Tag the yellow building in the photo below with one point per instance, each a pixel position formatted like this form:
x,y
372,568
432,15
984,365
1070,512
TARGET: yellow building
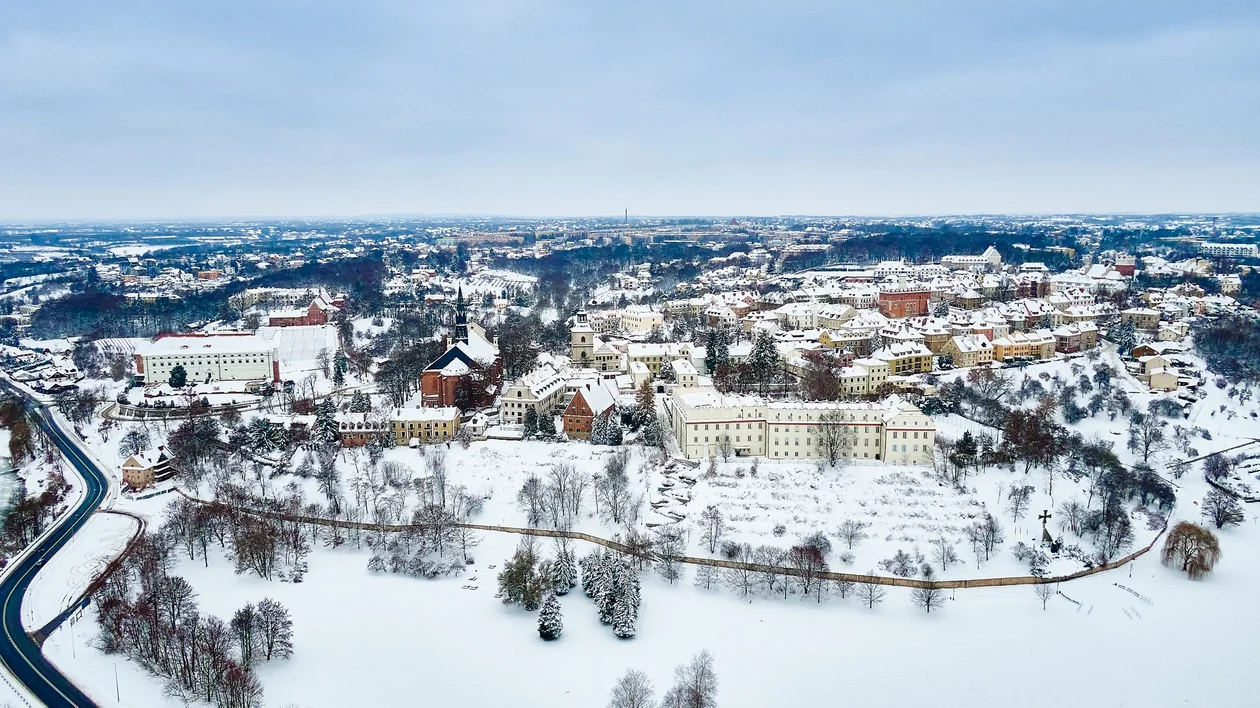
x,y
906,358
1037,344
425,425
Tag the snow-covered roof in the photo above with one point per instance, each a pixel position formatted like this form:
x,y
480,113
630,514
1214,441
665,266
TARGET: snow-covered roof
x,y
209,344
422,414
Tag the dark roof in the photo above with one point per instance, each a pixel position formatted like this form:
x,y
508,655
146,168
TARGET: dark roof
x,y
451,354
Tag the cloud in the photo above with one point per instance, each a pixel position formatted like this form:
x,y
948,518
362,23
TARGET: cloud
x,y
281,107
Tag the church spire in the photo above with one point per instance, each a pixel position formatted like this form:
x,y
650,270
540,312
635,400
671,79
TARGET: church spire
x,y
461,319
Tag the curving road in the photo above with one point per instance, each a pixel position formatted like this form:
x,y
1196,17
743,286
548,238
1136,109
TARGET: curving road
x,y
18,650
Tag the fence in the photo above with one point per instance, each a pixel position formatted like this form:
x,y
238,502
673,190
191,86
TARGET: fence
x,y
716,562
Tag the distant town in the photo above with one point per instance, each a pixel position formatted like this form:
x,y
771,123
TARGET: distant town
x,y
484,412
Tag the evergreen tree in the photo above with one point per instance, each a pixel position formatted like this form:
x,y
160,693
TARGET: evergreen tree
x,y
625,609
547,425
667,373
716,349
360,403
595,573
550,622
326,422
563,571
941,310
179,376
1124,334
531,423
606,430
260,435
340,366
653,434
376,564
763,360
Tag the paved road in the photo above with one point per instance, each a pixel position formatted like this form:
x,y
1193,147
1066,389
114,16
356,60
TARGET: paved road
x,y
17,650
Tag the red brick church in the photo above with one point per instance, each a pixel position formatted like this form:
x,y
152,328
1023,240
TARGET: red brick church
x,y
469,374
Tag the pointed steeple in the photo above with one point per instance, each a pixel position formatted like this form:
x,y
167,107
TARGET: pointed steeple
x,y
461,319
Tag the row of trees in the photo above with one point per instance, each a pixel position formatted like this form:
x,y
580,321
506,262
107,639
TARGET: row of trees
x,y
695,686
151,616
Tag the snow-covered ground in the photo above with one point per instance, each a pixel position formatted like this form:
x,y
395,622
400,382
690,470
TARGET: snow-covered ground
x,y
68,573
363,639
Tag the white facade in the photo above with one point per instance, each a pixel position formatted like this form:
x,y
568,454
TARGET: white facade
x,y
890,430
210,358
541,390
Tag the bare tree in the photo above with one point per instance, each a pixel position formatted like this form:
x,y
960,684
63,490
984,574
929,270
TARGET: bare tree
x,y
725,447
435,463
943,552
810,564
695,684
633,690
1017,501
742,578
713,527
669,546
774,560
707,576
852,532
870,592
1071,516
1222,509
835,438
613,497
1146,435
532,500
1044,592
929,598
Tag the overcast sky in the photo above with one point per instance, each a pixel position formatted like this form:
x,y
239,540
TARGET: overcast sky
x,y
208,108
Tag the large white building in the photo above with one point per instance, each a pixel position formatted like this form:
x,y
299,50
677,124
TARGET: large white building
x,y
890,430
541,390
212,357
1228,250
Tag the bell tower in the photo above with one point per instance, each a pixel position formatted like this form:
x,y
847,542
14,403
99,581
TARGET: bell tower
x,y
582,341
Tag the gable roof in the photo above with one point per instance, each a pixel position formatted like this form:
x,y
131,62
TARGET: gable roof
x,y
597,397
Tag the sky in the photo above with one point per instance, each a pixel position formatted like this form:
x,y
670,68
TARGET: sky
x,y
225,108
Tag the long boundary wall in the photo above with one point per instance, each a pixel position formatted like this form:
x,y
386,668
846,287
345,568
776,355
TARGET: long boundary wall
x,y
716,562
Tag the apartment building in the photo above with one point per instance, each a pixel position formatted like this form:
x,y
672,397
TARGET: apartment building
x,y
1035,344
905,358
969,350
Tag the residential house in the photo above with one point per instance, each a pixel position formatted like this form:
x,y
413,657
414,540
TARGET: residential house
x,y
144,468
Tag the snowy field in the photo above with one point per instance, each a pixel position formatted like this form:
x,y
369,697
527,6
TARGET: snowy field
x,y
369,639
383,640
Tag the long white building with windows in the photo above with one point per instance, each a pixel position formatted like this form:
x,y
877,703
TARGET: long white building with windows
x,y
705,421
212,357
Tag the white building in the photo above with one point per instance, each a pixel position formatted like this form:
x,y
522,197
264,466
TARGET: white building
x,y
1228,250
640,319
213,357
704,421
541,390
990,259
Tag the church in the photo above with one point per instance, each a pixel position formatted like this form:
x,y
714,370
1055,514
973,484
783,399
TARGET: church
x,y
469,374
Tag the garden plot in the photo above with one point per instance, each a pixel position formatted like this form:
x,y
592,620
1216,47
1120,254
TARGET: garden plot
x,y
903,508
